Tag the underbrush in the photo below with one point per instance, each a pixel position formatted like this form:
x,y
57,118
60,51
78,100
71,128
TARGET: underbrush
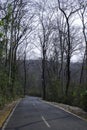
x,y
77,97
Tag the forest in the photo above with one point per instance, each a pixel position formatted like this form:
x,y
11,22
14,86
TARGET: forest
x,y
43,50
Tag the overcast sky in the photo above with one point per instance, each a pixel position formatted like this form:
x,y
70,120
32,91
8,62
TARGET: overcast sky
x,y
36,51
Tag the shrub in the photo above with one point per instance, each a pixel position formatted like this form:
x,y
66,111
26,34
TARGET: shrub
x,y
1,102
84,100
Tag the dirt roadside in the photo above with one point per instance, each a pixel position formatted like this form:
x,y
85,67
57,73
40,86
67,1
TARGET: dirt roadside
x,y
6,112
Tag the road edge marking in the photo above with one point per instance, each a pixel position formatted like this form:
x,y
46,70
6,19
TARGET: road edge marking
x,y
65,110
45,122
10,115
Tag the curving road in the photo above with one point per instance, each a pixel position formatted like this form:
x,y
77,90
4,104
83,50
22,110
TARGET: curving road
x,y
33,114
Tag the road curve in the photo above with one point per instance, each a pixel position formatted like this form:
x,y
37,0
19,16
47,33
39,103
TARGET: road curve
x,y
33,114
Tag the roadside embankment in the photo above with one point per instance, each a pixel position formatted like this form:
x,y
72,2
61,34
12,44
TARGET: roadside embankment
x,y
70,109
5,112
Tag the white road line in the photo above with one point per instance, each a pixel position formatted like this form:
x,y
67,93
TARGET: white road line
x,y
45,122
65,110
34,105
5,124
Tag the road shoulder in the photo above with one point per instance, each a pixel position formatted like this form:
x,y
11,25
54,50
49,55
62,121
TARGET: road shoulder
x,y
76,111
5,113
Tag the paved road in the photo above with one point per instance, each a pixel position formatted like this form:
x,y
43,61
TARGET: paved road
x,y
33,114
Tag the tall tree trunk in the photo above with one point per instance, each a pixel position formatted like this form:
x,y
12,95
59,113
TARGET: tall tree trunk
x,y
61,72
68,59
6,48
43,75
82,69
25,70
86,62
25,77
10,57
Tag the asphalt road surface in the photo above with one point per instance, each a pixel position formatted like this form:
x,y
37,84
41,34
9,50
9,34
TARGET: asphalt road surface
x,y
34,114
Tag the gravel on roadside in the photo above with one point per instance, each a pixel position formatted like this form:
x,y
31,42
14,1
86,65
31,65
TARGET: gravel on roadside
x,y
75,110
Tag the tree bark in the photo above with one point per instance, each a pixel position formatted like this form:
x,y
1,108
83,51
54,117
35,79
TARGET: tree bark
x,y
43,73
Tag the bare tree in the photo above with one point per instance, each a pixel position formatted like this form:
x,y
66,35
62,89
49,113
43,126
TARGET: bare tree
x,y
45,30
82,14
67,17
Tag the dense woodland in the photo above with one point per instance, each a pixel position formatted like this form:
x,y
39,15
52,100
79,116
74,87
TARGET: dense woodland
x,y
43,50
